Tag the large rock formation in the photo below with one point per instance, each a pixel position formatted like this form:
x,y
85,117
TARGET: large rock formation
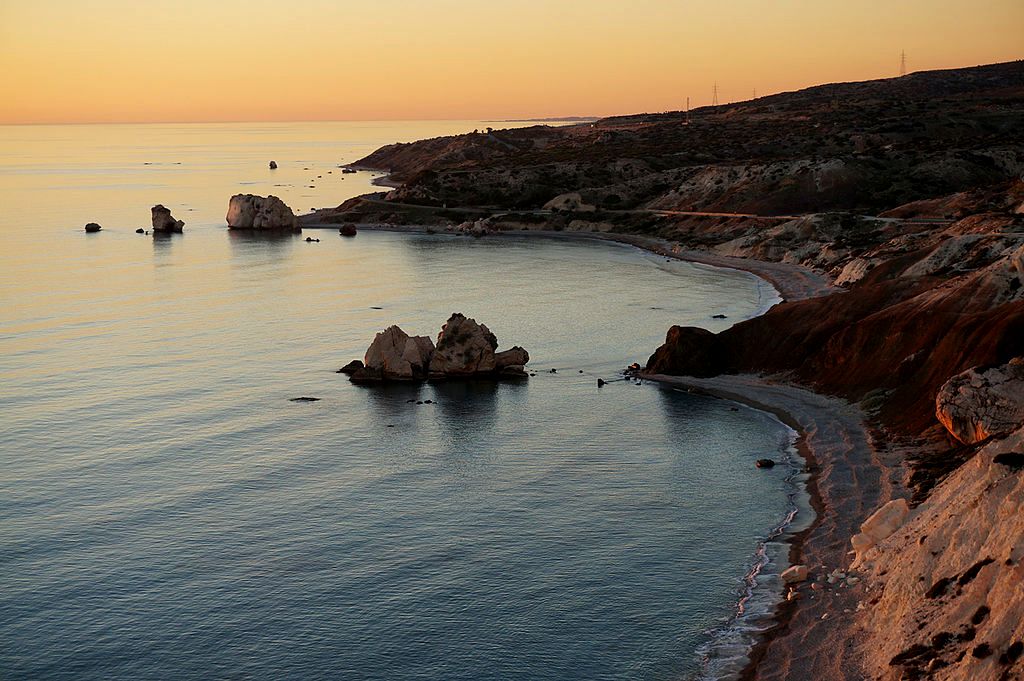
x,y
164,222
465,349
395,355
268,213
981,403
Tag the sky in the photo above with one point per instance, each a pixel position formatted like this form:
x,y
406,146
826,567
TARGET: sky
x,y
91,61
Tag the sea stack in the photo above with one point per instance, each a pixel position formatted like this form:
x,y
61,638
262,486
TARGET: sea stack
x,y
164,222
261,213
465,349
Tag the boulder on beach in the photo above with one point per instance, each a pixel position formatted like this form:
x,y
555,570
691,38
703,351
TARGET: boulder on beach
x,y
879,526
164,222
92,227
465,349
794,574
261,213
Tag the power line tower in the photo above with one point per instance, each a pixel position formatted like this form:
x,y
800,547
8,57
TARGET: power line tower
x,y
714,95
903,63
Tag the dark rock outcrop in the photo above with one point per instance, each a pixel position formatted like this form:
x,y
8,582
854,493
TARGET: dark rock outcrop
x,y
164,222
688,351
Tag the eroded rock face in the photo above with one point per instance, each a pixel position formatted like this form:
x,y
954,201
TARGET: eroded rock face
x,y
954,567
976,405
463,348
396,356
248,211
164,222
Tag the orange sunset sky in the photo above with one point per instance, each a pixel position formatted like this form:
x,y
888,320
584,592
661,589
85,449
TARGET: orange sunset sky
x,y
258,60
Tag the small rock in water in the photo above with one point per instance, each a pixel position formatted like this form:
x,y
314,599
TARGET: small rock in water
x,y
765,463
140,231
428,401
600,382
419,401
92,227
553,371
310,239
374,307
734,408
347,230
350,368
304,399
273,165
718,316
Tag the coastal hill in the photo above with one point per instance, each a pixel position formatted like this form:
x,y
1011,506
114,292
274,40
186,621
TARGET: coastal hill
x,y
907,195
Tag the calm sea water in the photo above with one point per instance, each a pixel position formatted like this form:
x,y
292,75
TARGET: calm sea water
x,y
167,512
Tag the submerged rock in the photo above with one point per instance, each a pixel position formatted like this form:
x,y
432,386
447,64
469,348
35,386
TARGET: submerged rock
x,y
164,222
267,213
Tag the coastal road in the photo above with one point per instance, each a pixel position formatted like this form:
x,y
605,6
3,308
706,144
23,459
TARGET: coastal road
x,y
539,212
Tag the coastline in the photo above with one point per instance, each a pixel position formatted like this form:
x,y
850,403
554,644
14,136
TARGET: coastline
x,y
846,477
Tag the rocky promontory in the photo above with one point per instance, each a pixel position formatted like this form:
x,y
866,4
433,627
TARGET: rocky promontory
x,y
464,349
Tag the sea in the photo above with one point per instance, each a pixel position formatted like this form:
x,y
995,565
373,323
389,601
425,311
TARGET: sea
x,y
167,511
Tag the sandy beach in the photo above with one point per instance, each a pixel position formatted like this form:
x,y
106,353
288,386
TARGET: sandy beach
x,y
850,478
